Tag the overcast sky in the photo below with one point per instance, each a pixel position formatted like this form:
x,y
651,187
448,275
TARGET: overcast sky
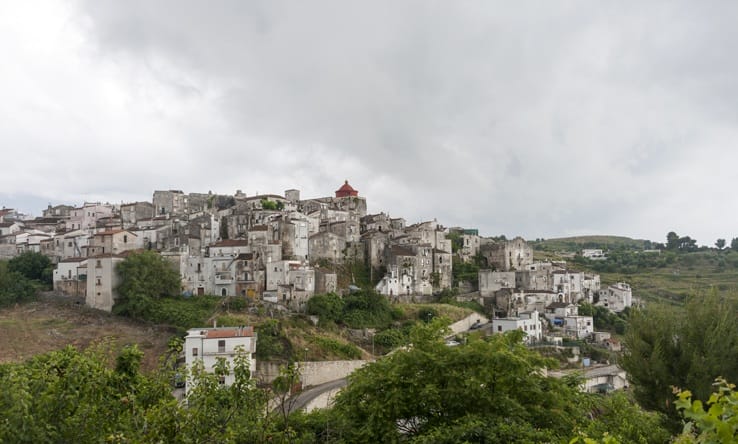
x,y
540,119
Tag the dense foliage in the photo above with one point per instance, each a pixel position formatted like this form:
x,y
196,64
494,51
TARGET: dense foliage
x,y
328,307
361,309
33,266
72,396
145,278
717,424
686,348
489,390
14,287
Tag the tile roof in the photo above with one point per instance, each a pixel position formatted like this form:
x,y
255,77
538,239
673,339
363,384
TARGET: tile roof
x,y
229,332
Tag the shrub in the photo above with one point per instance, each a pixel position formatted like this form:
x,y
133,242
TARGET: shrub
x,y
390,338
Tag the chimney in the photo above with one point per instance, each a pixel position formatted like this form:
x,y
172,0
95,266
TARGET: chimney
x,y
215,323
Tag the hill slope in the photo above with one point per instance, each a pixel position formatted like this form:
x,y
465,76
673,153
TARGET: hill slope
x,y
42,326
576,243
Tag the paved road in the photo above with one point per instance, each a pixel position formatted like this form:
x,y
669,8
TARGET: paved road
x,y
313,392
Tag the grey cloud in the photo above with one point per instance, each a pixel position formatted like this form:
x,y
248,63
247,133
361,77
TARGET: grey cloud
x,y
533,118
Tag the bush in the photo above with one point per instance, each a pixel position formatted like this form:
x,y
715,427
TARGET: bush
x,y
14,287
271,342
390,338
33,266
340,349
328,307
427,314
145,278
367,309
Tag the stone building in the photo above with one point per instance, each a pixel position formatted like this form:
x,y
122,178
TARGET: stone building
x,y
170,202
132,213
102,280
510,255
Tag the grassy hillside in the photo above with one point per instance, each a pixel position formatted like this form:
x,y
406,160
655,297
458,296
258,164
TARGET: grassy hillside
x,y
38,327
577,243
668,277
52,323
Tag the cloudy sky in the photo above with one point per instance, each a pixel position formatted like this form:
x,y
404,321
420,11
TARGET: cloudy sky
x,y
539,119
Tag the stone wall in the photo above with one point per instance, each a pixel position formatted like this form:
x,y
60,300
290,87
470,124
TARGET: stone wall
x,y
313,372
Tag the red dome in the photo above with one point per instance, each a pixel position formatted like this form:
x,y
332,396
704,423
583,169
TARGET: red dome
x,y
346,190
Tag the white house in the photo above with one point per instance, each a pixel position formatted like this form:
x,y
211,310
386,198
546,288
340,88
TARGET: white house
x,y
616,297
604,379
529,323
579,327
70,276
594,254
208,344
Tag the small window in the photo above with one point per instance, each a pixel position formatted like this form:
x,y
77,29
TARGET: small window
x,y
125,238
499,328
221,346
194,351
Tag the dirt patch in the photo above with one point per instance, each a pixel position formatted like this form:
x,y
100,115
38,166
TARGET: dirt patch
x,y
53,323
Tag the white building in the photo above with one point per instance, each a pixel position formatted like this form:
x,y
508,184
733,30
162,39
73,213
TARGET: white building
x,y
594,254
529,323
616,297
70,276
604,379
393,283
579,327
86,216
568,283
102,281
208,344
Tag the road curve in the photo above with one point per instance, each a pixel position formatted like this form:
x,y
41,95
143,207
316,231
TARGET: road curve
x,y
307,395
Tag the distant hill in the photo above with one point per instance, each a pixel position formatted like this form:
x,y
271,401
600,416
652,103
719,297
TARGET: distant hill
x,y
576,243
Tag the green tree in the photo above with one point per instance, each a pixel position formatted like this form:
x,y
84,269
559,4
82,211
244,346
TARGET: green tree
x,y
73,396
734,244
672,241
144,278
717,424
328,307
720,244
486,391
14,287
34,266
685,348
618,417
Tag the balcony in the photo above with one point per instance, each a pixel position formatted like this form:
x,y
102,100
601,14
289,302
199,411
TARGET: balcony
x,y
223,278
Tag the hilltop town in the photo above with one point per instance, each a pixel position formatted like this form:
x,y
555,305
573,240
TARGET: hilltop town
x,y
262,264
282,249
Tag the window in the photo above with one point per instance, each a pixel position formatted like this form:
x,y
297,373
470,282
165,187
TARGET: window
x,y
194,351
221,346
221,379
499,328
125,238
